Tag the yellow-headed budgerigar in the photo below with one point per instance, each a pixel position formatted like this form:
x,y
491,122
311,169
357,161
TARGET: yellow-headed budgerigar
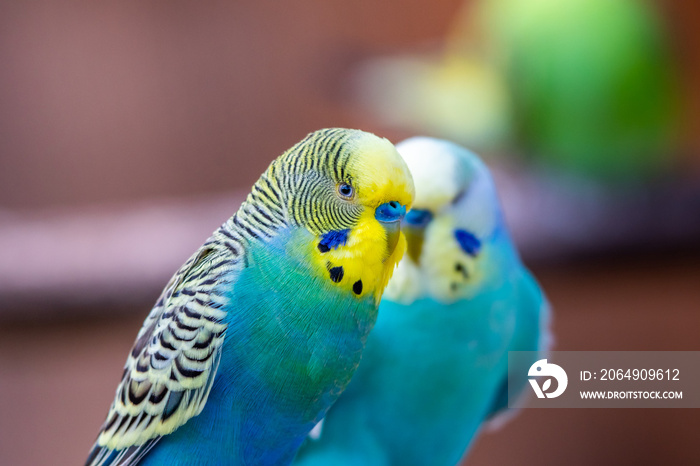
x,y
435,367
262,328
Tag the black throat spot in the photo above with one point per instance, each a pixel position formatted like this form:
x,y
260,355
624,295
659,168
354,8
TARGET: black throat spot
x,y
336,273
357,287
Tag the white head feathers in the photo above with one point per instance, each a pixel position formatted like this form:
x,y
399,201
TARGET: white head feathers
x,y
451,180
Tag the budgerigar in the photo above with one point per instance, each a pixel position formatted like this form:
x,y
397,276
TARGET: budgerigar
x,y
262,328
435,365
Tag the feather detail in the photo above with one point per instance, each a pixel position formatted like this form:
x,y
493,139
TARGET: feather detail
x,y
170,369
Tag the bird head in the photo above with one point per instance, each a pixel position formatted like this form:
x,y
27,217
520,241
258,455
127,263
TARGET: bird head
x,y
455,218
350,189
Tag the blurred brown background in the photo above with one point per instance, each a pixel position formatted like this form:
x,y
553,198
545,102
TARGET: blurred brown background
x,y
129,131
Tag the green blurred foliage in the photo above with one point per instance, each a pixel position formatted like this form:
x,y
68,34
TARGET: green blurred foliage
x,y
591,83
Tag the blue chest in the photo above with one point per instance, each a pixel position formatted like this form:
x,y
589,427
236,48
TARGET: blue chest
x,y
436,366
292,345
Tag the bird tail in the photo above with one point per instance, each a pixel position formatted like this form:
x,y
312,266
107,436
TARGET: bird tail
x,y
103,456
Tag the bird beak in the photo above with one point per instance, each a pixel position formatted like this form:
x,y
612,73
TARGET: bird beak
x,y
414,240
389,216
414,229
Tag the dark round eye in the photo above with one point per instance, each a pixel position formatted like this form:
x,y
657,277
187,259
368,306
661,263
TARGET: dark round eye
x,y
346,191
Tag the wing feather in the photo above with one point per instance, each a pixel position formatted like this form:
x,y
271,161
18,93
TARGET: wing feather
x,y
169,372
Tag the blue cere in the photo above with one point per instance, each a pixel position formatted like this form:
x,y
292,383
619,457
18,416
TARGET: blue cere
x,y
418,218
390,212
468,242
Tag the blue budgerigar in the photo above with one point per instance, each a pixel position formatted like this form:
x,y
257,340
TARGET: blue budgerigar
x,y
262,328
435,366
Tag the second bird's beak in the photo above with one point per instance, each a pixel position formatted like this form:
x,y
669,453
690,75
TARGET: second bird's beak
x,y
414,229
414,240
390,215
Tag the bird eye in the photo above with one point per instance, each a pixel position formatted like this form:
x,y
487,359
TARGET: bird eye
x,y
346,191
460,195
